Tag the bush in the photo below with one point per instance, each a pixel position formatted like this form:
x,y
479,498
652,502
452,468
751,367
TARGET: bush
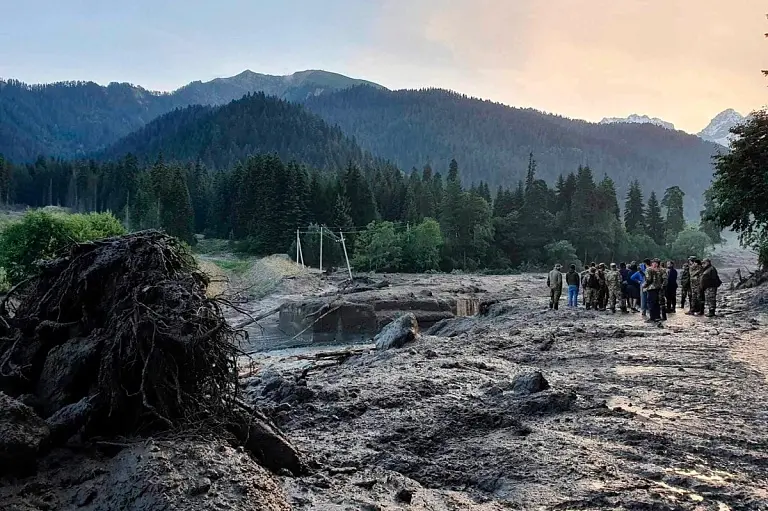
x,y
689,242
378,248
421,247
41,235
562,252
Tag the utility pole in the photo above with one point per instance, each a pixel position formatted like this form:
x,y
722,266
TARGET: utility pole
x,y
344,245
321,250
298,240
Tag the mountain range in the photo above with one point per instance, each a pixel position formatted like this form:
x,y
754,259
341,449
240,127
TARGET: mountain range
x,y
410,128
718,130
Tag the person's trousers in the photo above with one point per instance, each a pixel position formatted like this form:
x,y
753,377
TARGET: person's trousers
x,y
573,295
652,303
644,301
686,293
671,296
554,298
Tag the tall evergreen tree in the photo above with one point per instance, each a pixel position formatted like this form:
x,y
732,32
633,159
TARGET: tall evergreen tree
x,y
675,218
634,216
654,222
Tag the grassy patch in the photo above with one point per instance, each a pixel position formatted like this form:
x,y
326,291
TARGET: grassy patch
x,y
236,266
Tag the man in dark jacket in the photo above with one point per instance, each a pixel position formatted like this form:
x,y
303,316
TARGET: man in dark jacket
x,y
671,290
573,280
710,281
625,274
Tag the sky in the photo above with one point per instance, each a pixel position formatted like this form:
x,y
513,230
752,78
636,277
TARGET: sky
x,y
681,60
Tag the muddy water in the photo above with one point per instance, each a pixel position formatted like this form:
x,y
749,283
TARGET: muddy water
x,y
636,416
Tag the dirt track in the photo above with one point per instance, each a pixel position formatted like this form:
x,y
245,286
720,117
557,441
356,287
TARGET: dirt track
x,y
636,416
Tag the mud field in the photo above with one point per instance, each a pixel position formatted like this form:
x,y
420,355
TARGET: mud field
x,y
528,408
519,407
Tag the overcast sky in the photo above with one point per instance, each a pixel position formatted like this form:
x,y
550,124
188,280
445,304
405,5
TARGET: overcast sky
x,y
681,60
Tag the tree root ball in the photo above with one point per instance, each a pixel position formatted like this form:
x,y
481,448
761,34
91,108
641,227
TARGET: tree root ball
x,y
122,329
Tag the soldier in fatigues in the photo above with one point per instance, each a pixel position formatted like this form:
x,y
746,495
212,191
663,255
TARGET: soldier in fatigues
x,y
685,282
602,293
654,282
710,281
663,292
613,281
591,289
696,299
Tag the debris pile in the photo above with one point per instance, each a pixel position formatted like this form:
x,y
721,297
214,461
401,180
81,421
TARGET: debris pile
x,y
118,338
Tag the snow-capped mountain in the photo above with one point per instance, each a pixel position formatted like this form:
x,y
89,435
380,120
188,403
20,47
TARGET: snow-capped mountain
x,y
639,119
718,130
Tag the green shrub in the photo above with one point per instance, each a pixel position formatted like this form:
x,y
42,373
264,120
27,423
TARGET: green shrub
x,y
41,235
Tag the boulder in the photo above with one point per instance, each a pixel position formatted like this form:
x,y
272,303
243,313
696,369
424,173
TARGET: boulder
x,y
67,373
398,333
529,383
23,434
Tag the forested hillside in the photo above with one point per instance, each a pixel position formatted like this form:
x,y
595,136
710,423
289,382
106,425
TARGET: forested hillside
x,y
392,221
222,136
493,141
72,119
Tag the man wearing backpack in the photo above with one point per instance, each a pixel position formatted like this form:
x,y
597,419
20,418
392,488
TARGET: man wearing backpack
x,y
555,285
710,281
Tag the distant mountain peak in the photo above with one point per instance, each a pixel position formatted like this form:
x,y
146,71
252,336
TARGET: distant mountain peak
x,y
719,128
639,119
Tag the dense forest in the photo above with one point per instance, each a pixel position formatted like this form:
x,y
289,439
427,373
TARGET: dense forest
x,y
221,136
493,140
260,203
409,128
73,119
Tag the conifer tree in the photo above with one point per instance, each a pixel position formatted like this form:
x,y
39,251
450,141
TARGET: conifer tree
x,y
675,217
634,216
654,222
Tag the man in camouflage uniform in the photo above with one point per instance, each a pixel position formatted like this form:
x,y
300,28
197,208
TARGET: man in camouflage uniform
x,y
710,281
663,292
602,293
685,282
696,298
613,281
654,282
592,288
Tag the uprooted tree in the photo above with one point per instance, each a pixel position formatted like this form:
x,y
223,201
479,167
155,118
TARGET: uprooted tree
x,y
117,337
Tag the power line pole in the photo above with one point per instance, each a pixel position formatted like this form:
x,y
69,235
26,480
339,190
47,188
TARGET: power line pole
x,y
298,241
344,245
321,250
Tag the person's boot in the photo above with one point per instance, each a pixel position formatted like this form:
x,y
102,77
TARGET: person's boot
x,y
613,310
711,313
556,305
550,305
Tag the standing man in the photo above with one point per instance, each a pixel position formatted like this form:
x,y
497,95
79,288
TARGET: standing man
x,y
592,288
685,283
643,293
654,281
573,279
710,281
602,294
695,276
555,284
613,281
671,293
624,274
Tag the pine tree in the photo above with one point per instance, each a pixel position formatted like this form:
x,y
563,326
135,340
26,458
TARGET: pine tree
x,y
356,189
675,218
609,199
654,222
634,216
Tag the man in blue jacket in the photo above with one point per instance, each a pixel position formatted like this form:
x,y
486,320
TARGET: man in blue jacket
x,y
671,289
644,292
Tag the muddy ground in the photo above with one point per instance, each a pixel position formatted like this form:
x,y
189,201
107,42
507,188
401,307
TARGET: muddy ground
x,y
521,408
634,416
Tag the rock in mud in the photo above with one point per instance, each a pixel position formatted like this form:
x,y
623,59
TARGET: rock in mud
x,y
67,373
68,420
23,434
397,334
529,383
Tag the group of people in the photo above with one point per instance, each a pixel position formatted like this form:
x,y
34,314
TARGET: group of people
x,y
648,287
